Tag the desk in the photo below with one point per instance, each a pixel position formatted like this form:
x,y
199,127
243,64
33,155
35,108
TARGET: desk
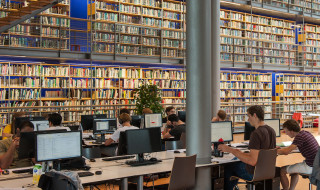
x,y
113,170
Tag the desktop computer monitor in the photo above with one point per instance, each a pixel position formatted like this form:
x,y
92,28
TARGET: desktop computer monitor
x,y
275,124
182,115
87,120
141,141
51,146
221,129
20,120
26,145
136,120
248,129
152,120
40,125
103,126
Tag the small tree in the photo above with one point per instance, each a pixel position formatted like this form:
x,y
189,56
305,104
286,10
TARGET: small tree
x,y
148,96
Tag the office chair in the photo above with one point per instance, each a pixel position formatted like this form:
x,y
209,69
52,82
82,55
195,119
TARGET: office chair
x,y
298,117
307,176
265,168
183,174
91,152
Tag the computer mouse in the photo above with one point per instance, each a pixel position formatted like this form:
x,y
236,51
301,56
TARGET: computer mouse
x,y
176,151
153,159
98,172
92,160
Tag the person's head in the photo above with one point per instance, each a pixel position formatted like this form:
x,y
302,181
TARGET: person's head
x,y
26,126
124,110
291,127
146,111
255,115
54,119
221,115
125,119
170,110
174,119
13,122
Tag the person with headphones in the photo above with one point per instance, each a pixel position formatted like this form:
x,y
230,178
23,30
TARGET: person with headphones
x,y
124,120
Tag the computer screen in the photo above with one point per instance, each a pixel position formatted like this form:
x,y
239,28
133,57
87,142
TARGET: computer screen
x,y
143,140
40,125
26,145
221,129
248,129
20,120
58,145
152,120
102,126
87,120
136,120
182,115
275,124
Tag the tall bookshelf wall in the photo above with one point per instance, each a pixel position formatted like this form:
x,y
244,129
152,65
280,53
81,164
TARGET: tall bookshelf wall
x,y
48,30
245,88
40,84
250,38
140,27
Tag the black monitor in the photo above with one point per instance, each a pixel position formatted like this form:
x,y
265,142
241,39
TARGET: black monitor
x,y
248,129
141,141
136,120
152,120
34,120
87,120
182,115
26,145
122,145
56,145
103,126
221,130
275,124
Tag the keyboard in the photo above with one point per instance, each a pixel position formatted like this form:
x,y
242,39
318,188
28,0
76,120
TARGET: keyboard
x,y
145,162
85,174
118,158
28,170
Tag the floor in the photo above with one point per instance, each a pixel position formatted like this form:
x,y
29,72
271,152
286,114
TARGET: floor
x,y
282,160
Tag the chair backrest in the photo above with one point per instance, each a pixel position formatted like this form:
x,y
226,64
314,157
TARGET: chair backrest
x,y
298,117
91,152
266,165
183,139
173,145
56,181
183,174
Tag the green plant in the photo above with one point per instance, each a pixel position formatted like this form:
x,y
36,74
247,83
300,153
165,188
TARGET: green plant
x,y
148,96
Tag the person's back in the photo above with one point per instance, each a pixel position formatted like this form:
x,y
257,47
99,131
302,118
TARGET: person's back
x,y
55,121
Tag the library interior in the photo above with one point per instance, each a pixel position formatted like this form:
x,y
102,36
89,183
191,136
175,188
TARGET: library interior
x,y
160,94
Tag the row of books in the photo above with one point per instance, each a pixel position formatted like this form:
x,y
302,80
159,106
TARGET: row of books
x,y
301,86
245,86
300,79
173,94
244,94
301,93
245,77
61,10
173,101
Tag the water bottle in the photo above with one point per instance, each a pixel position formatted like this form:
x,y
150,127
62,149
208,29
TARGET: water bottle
x,y
37,171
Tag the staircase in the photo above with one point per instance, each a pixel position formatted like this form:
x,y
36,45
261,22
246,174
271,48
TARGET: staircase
x,y
31,9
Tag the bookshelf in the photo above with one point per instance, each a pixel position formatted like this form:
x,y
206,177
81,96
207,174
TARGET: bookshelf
x,y
48,30
256,39
310,45
246,88
139,27
54,86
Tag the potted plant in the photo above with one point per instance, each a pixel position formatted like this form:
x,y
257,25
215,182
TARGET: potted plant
x,y
148,96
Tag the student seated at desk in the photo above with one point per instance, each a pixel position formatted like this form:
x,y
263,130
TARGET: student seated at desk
x,y
263,137
9,149
8,131
179,127
307,145
169,110
55,120
124,120
123,110
221,116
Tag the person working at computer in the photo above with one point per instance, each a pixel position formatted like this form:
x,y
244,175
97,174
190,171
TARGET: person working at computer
x,y
55,120
147,111
8,131
307,145
264,137
179,127
221,116
125,120
122,110
9,149
169,110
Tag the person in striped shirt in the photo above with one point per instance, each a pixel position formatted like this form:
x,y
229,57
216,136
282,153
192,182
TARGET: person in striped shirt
x,y
308,147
